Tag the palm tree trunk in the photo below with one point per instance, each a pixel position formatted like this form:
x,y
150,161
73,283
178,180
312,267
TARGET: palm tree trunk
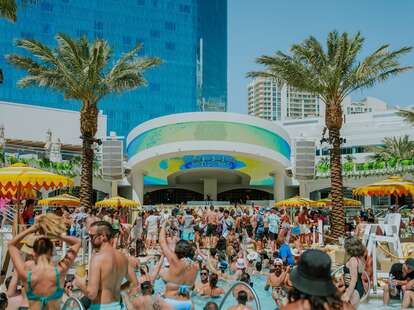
x,y
337,215
89,125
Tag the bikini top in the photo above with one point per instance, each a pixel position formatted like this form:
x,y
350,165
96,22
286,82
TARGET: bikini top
x,y
44,300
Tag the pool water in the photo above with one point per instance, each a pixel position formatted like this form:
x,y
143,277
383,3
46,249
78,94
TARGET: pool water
x,y
265,297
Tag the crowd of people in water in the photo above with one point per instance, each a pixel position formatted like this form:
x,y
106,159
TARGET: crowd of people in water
x,y
195,252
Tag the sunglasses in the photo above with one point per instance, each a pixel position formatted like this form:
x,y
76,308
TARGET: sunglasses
x,y
69,287
204,274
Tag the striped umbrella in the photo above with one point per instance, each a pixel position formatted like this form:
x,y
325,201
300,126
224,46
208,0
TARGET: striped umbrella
x,y
394,185
327,202
61,200
117,202
296,202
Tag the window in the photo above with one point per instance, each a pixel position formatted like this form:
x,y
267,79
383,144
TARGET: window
x,y
26,35
98,34
46,6
155,87
126,40
170,26
184,8
98,25
155,33
170,46
46,28
81,33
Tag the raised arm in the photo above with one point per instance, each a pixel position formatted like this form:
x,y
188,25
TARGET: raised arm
x,y
14,252
74,247
157,269
172,258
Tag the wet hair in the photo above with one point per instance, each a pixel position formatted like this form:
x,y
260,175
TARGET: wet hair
x,y
211,306
4,302
316,302
188,211
184,249
132,251
146,287
221,244
354,247
213,251
43,246
29,202
242,297
245,277
212,280
104,228
259,266
211,207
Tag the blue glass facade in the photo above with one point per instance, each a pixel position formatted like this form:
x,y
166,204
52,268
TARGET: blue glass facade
x,y
169,29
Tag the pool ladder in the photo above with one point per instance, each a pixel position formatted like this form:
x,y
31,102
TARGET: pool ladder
x,y
256,298
69,301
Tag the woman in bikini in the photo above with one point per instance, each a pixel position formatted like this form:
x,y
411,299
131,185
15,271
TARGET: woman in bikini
x,y
181,275
44,282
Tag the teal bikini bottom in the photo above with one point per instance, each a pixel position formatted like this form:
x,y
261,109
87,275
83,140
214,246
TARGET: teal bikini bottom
x,y
111,306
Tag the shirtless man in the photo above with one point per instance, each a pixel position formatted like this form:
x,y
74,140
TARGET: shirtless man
x,y
212,222
147,301
108,268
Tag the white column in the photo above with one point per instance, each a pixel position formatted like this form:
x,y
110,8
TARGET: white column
x,y
367,201
138,186
279,186
114,188
210,188
304,189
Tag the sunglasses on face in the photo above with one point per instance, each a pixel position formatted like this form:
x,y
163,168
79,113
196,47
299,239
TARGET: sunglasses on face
x,y
204,274
69,287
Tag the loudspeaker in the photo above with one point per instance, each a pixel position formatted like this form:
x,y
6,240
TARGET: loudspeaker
x,y
112,160
305,153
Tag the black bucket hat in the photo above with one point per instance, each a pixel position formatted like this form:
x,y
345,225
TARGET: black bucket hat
x,y
312,276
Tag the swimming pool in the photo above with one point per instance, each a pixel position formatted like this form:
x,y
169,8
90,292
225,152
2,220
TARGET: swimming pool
x,y
265,297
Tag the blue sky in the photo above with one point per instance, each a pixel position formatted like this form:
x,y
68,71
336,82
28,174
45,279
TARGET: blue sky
x,y
258,27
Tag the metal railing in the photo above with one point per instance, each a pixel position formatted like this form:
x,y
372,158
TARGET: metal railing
x,y
70,300
363,298
237,283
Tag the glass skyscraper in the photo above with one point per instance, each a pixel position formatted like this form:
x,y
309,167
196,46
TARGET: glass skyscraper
x,y
190,36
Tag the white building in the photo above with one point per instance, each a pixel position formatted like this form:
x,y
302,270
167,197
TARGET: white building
x,y
361,131
366,105
272,101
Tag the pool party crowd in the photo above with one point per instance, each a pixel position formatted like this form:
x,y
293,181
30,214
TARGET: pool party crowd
x,y
198,253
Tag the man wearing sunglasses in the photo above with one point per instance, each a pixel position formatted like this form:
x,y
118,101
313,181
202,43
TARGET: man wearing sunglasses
x,y
203,280
108,268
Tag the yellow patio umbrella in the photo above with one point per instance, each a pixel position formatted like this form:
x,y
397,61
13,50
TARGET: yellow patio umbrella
x,y
12,194
296,202
21,178
327,202
394,185
61,200
117,202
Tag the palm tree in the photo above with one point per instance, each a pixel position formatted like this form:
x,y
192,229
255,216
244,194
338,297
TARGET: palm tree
x,y
398,148
333,73
80,71
8,8
408,115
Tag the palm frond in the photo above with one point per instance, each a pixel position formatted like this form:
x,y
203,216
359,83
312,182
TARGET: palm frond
x,y
8,9
408,115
